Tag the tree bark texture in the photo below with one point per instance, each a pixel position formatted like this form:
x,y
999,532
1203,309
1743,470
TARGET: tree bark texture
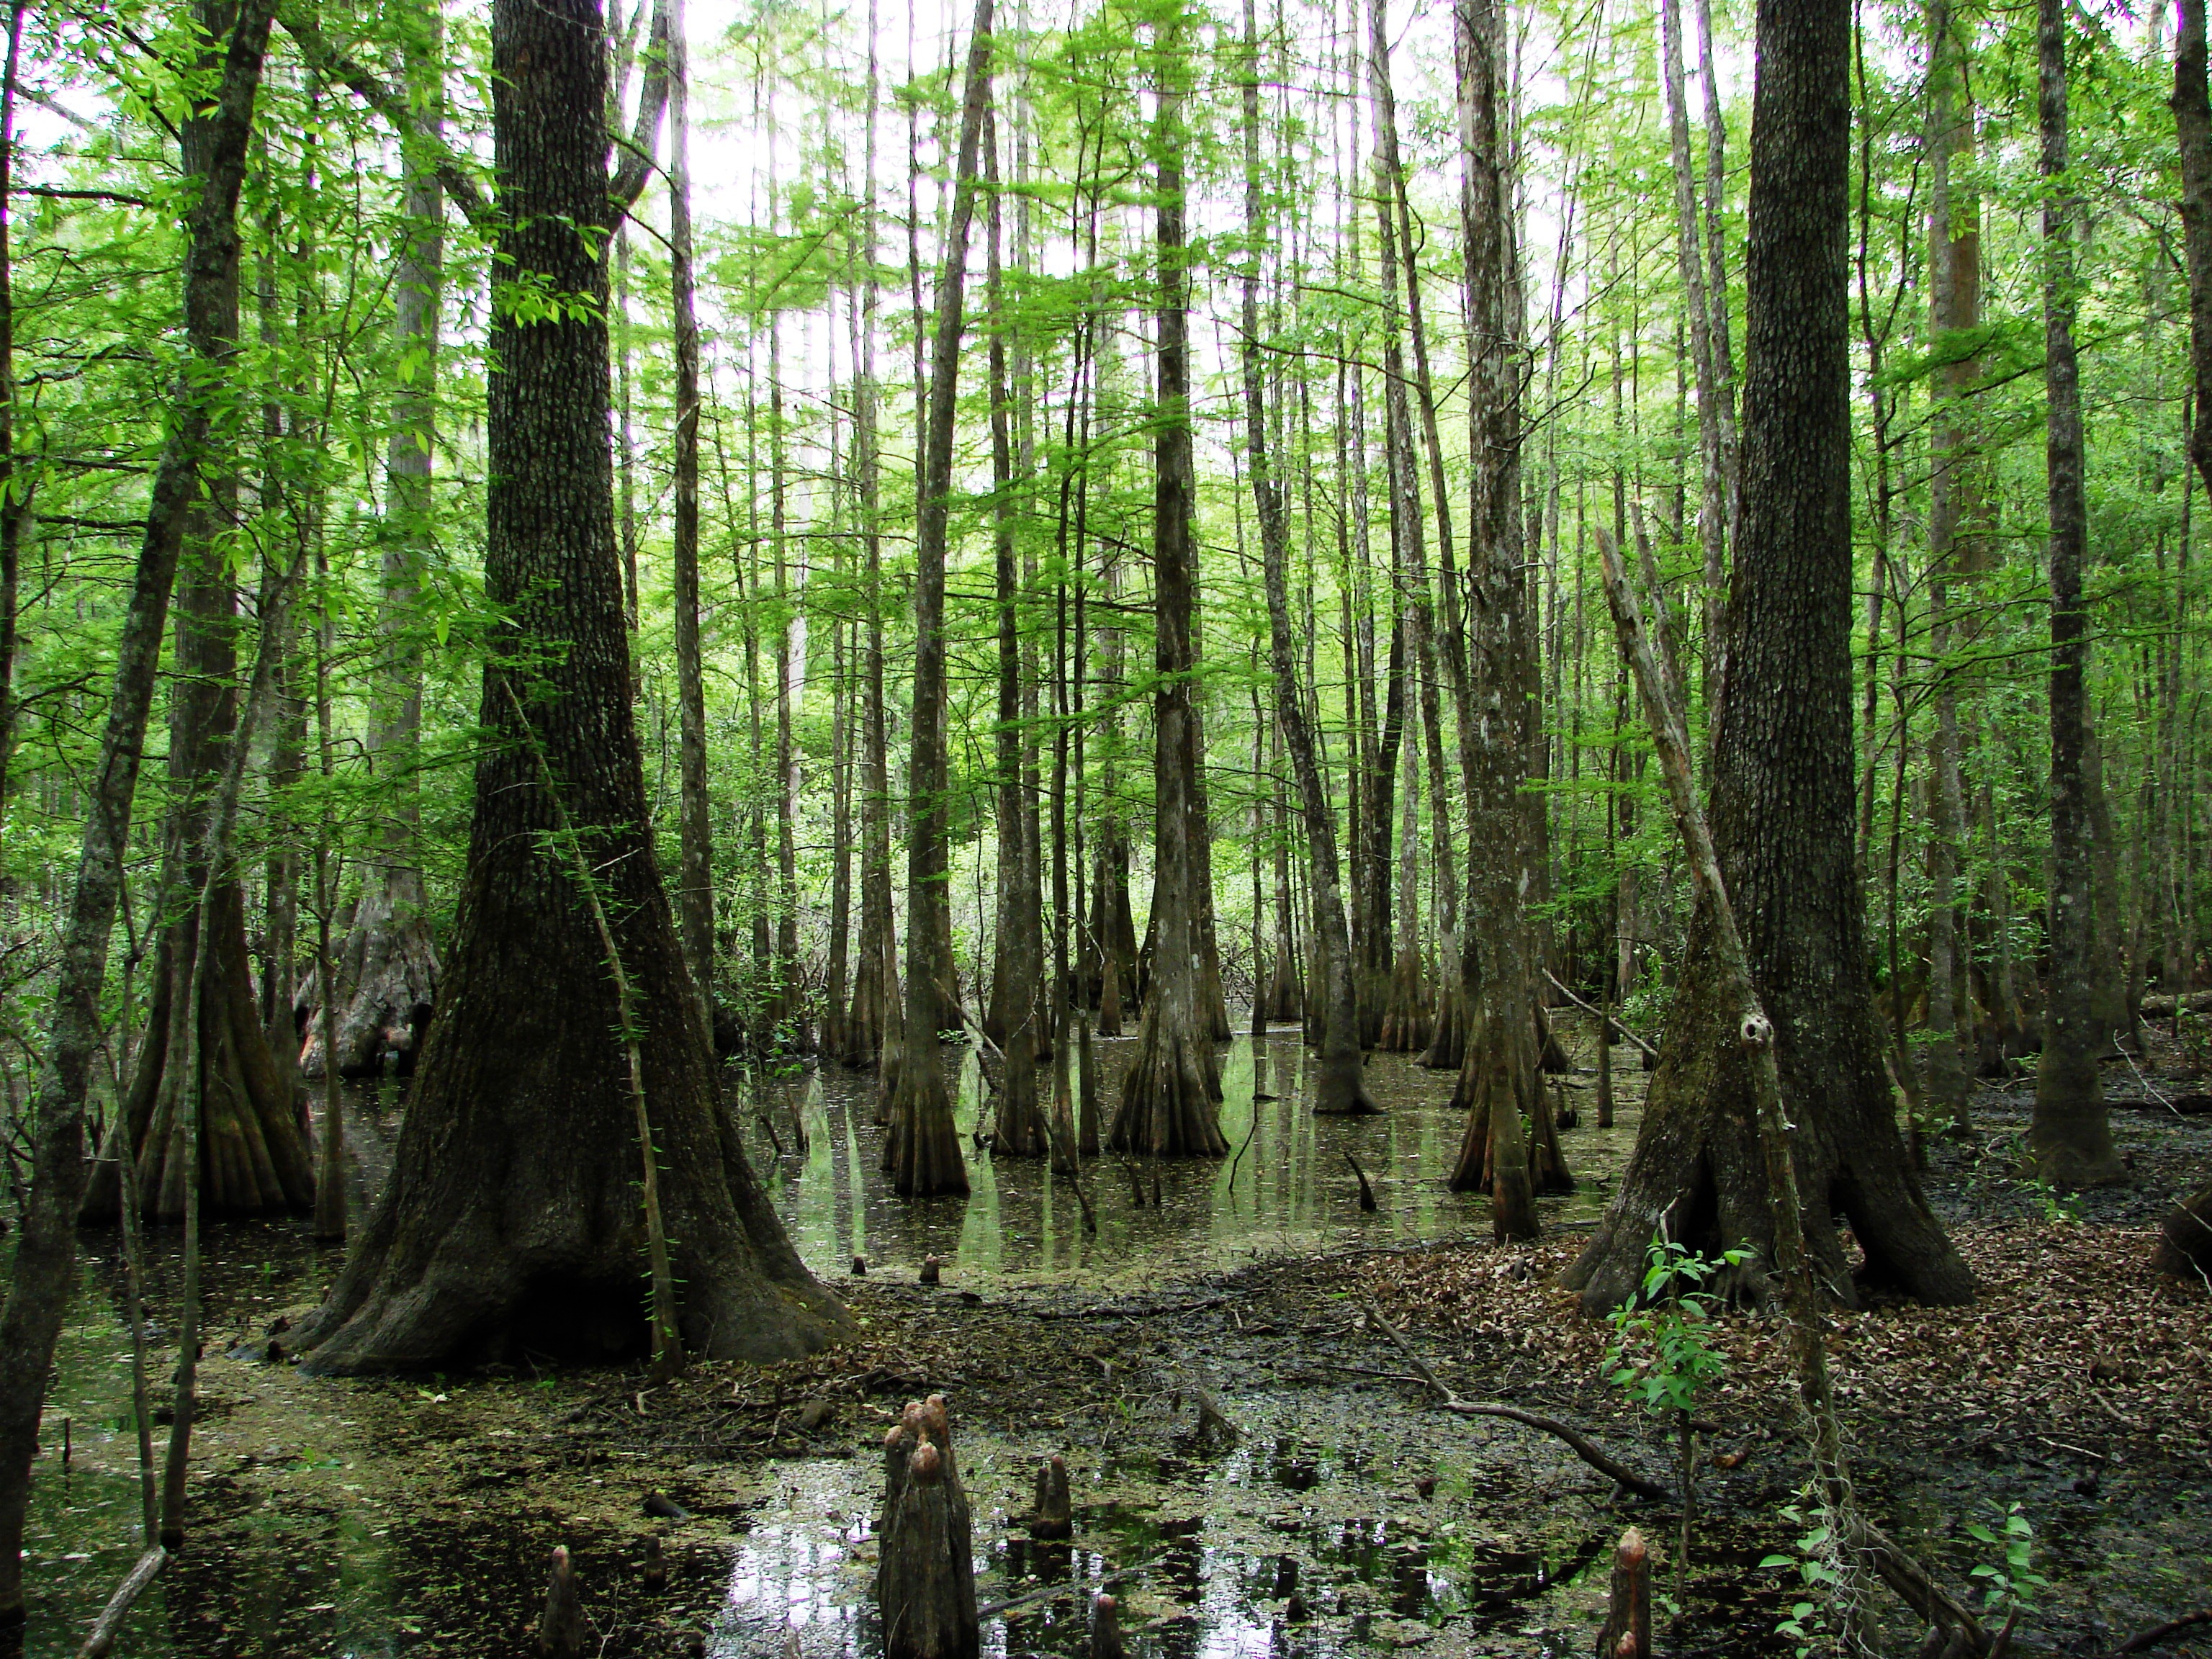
x,y
1501,1080
1341,1084
512,1221
45,1262
921,1153
1169,1100
1782,786
2069,1134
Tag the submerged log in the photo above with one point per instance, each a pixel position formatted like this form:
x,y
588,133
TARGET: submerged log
x,y
926,1578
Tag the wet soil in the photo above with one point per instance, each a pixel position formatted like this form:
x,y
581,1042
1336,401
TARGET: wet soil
x,y
414,1516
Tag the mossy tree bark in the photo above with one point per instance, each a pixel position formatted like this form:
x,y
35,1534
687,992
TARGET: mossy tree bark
x,y
921,1153
513,1219
1170,1101
1782,770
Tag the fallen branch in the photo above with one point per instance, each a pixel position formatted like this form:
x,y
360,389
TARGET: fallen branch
x,y
1052,1592
2160,1633
109,1626
1581,1445
1649,1051
1913,1585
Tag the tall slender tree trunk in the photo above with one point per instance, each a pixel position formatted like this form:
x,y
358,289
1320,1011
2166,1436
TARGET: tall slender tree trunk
x,y
1447,1042
1951,307
1017,978
253,1154
1501,1080
1341,1085
1168,1104
876,998
694,906
2070,1135
921,1152
1712,512
388,972
45,1267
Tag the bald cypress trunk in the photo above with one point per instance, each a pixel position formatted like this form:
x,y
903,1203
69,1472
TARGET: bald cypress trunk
x,y
2070,1134
512,1221
253,1150
1783,786
875,983
921,1153
1501,1079
389,969
1169,1101
46,1265
1017,981
1341,1084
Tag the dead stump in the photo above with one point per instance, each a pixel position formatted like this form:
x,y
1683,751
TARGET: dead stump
x,y
925,1575
1627,1632
1055,1520
2185,1244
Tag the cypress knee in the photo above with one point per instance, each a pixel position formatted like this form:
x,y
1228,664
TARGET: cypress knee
x,y
926,1580
561,1627
1627,1631
1055,1513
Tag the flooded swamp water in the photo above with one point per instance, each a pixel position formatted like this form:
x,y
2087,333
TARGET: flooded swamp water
x,y
414,1516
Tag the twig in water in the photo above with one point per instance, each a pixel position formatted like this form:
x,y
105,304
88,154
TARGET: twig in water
x,y
993,1609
